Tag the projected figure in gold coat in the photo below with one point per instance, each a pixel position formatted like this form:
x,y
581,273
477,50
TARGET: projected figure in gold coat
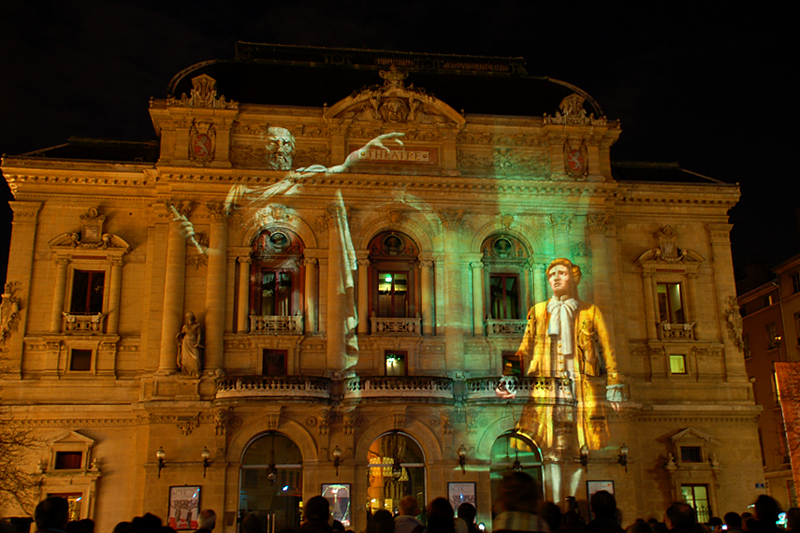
x,y
567,338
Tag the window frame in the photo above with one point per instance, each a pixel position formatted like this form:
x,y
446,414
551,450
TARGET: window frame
x,y
503,275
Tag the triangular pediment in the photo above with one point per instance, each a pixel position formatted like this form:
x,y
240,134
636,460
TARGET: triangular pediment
x,y
394,104
690,434
73,437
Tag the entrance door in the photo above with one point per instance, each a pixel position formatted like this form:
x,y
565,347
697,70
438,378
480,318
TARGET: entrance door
x,y
271,482
397,469
512,451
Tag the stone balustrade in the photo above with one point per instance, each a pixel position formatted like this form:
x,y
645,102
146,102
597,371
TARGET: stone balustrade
x,y
505,328
539,389
679,332
410,388
301,388
276,325
84,323
411,327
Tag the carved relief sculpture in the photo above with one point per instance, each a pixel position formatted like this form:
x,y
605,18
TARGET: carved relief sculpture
x,y
190,347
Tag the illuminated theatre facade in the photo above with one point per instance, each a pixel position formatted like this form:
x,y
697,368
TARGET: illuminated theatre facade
x,y
364,326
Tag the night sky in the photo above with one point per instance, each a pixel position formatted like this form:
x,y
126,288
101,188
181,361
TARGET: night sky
x,y
705,85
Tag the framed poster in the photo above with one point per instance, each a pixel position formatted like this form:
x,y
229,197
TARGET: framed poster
x,y
594,486
184,508
459,493
338,496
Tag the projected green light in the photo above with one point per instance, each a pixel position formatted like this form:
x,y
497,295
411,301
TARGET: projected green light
x,y
388,278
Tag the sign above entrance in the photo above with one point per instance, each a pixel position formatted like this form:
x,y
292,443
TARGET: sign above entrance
x,y
419,156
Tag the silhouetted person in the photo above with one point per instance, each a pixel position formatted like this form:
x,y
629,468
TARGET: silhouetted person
x,y
767,511
252,524
733,521
406,521
640,526
441,518
52,514
381,522
517,501
792,519
207,520
604,508
316,512
466,512
680,518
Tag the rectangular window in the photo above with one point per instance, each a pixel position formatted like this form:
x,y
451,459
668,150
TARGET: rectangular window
x,y
670,303
796,282
797,326
691,454
87,292
80,360
677,364
396,363
697,497
768,300
746,346
512,366
393,294
68,460
504,296
274,362
276,293
772,336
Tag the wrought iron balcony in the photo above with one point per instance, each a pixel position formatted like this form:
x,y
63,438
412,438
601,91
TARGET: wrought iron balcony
x,y
676,332
83,323
276,325
505,328
410,388
522,389
295,387
406,327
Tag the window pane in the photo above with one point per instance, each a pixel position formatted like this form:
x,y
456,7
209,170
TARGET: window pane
x,y
274,363
87,292
68,460
96,292
392,294
80,360
267,292
677,364
504,296
284,299
670,303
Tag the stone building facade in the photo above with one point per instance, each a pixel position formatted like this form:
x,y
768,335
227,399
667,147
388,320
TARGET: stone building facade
x,y
361,319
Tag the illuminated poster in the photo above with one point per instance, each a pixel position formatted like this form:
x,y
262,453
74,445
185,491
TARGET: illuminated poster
x,y
338,496
184,508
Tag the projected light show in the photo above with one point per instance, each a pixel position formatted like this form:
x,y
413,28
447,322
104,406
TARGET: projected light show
x,y
406,293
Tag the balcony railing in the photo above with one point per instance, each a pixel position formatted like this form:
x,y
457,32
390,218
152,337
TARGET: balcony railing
x,y
84,323
410,388
276,325
410,327
296,387
682,332
540,389
505,328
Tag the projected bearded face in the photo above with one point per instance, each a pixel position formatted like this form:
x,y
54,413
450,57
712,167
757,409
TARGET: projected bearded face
x,y
280,147
560,278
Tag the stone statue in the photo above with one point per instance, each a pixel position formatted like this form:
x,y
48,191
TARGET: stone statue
x,y
190,347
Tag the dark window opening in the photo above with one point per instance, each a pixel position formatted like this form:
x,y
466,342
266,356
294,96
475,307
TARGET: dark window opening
x,y
670,303
393,294
274,362
68,460
512,364
80,360
504,296
276,293
87,292
691,454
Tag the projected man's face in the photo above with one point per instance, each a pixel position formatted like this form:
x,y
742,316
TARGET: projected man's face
x,y
280,147
560,279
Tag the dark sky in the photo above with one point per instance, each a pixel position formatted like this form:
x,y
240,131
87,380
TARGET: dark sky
x,y
705,85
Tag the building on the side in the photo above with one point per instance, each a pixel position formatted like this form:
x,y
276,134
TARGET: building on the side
x,y
771,334
358,326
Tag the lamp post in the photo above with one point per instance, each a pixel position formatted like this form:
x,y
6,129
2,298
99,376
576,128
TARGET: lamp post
x,y
160,455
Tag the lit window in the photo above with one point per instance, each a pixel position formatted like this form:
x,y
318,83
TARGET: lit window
x,y
392,294
670,303
697,497
80,360
677,364
396,363
504,296
87,292
772,336
511,364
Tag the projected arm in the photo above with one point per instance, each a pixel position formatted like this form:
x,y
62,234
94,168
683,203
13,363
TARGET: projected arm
x,y
187,229
377,142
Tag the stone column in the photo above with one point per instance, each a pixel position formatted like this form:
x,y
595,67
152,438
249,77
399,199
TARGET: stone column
x,y
454,314
601,273
243,308
426,281
215,287
722,268
650,305
363,295
341,347
59,294
539,283
562,225
311,294
114,296
690,298
172,315
477,298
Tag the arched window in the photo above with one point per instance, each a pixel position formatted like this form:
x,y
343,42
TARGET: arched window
x,y
276,275
514,451
393,273
271,481
397,469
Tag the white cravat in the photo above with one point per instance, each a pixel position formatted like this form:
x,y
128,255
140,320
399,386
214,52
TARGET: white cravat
x,y
562,321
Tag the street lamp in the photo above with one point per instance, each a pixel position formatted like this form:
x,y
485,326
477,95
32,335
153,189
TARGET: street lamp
x,y
160,455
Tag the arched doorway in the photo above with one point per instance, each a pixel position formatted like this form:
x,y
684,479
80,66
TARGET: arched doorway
x,y
514,451
397,469
271,481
